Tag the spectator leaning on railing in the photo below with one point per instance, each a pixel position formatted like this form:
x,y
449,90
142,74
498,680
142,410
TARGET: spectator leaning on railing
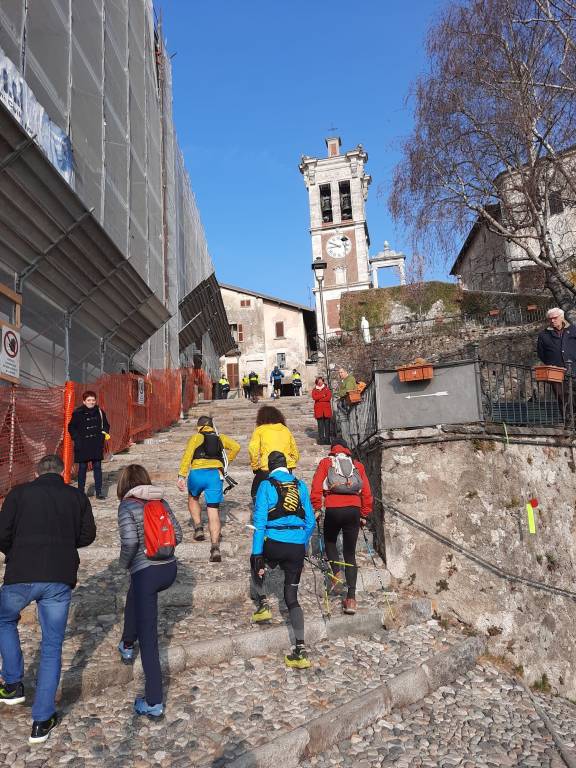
x,y
557,343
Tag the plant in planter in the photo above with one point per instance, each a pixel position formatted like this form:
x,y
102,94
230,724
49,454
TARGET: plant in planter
x,y
548,373
419,370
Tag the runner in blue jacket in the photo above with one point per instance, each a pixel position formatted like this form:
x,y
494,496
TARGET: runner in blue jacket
x,y
283,521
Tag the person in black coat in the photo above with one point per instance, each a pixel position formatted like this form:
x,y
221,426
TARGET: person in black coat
x,y
557,344
42,524
89,430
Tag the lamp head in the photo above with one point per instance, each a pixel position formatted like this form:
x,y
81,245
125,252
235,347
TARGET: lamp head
x,y
319,266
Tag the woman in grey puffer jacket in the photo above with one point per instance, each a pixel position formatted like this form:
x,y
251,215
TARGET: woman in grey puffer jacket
x,y
147,579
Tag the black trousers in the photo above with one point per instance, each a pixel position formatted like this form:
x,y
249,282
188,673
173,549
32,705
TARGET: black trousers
x,y
347,520
290,558
246,389
83,471
141,621
324,430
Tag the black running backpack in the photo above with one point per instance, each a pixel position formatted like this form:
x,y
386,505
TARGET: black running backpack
x,y
210,448
289,501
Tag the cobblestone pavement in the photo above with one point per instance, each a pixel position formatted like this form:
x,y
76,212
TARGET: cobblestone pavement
x,y
484,720
214,714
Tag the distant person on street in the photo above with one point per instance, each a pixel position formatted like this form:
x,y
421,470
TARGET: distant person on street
x,y
246,386
145,522
341,486
223,387
297,382
347,384
254,380
557,343
322,397
283,521
276,380
89,430
42,525
271,434
202,470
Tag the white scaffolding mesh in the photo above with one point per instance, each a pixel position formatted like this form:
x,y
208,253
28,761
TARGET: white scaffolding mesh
x,y
101,73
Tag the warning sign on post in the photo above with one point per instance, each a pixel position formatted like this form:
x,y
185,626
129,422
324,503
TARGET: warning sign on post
x,y
141,392
10,354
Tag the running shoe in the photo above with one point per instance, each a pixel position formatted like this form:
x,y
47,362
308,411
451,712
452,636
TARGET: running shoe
x,y
215,556
12,693
141,707
298,659
126,652
41,729
349,606
262,614
199,533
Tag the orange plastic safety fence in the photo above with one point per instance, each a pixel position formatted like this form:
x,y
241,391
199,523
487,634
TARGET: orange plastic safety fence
x,y
31,426
33,421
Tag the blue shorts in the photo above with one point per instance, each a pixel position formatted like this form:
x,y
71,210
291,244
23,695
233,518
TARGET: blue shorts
x,y
206,481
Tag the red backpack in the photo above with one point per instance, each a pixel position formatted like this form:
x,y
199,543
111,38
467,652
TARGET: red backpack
x,y
159,534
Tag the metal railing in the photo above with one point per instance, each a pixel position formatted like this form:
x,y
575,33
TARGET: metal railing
x,y
358,423
508,316
512,395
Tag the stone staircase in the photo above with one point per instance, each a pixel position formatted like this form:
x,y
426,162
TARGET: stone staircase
x,y
230,700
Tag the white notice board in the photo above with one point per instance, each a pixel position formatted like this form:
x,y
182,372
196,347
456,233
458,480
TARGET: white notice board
x,y
10,354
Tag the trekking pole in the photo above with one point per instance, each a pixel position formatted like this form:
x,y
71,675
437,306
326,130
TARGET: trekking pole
x,y
371,553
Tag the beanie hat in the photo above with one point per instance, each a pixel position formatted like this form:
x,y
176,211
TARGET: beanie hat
x,y
276,459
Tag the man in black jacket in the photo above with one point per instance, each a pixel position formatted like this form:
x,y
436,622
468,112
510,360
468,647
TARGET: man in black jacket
x,y
42,524
557,344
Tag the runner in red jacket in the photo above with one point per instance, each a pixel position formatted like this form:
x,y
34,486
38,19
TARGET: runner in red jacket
x,y
322,410
347,499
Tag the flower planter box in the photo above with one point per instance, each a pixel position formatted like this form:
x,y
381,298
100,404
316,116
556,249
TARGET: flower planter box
x,y
408,373
549,373
531,307
494,313
354,397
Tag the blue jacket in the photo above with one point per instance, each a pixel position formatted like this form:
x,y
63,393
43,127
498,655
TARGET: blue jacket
x,y
276,375
266,499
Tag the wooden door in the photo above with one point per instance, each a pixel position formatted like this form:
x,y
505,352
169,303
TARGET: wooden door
x,y
232,374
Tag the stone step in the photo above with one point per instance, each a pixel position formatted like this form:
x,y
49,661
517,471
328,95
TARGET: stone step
x,y
105,669
340,722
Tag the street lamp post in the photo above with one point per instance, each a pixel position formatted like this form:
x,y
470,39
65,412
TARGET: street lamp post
x,y
318,267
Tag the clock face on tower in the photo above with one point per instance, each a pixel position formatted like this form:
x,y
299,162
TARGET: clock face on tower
x,y
338,246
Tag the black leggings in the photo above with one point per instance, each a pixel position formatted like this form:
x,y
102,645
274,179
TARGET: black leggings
x,y
347,520
290,558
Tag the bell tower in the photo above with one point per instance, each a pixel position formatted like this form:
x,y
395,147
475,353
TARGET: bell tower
x,y
337,190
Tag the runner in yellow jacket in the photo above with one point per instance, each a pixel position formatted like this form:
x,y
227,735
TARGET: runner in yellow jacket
x,y
202,469
271,434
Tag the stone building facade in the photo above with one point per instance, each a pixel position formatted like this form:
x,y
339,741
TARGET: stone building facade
x,y
268,331
338,188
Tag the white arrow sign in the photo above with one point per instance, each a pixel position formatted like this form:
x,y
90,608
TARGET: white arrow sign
x,y
432,394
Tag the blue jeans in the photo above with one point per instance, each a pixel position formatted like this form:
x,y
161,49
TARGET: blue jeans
x,y
141,622
53,601
82,472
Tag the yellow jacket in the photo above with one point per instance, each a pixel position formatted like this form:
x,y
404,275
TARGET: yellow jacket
x,y
230,446
268,438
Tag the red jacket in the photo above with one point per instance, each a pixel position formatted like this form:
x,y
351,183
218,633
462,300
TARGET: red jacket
x,y
322,406
321,498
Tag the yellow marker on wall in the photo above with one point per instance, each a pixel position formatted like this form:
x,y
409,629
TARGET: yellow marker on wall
x,y
530,511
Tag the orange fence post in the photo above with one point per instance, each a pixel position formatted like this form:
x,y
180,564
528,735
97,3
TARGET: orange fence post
x,y
67,446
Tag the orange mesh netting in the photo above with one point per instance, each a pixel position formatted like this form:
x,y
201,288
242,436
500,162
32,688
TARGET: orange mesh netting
x,y
31,427
34,421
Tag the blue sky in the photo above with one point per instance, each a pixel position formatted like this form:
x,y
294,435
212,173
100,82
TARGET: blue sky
x,y
259,83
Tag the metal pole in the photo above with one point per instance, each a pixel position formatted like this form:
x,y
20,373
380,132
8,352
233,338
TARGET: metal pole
x,y
67,323
102,354
320,281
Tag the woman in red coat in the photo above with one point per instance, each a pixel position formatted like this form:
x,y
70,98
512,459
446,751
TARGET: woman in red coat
x,y
322,410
